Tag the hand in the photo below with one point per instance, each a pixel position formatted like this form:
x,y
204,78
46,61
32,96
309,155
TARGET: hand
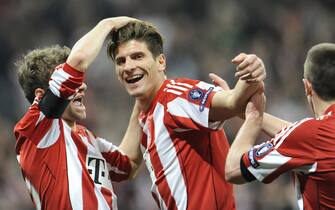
x,y
249,67
218,81
119,22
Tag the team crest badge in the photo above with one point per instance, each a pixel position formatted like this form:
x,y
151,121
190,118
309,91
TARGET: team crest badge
x,y
264,149
196,94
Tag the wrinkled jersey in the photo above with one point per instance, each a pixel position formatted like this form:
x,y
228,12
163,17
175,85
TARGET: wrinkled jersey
x,y
62,168
184,152
307,148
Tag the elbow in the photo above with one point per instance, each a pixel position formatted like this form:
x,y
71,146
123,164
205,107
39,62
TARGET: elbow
x,y
233,175
77,60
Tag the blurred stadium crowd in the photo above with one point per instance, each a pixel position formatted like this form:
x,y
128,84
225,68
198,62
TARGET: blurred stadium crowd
x,y
200,37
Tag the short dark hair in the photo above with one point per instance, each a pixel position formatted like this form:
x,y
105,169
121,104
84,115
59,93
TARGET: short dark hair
x,y
34,68
136,30
320,70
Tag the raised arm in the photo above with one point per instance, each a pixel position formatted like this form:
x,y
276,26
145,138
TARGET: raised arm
x,y
130,144
229,103
245,138
271,125
87,48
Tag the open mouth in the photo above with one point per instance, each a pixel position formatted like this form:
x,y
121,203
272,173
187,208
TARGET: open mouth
x,y
134,78
78,101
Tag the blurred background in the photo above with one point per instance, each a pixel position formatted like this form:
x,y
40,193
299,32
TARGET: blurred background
x,y
200,37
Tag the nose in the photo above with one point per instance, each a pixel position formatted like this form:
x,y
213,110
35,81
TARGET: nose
x,y
82,88
129,65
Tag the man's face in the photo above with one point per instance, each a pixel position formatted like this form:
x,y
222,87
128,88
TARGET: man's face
x,y
76,110
138,71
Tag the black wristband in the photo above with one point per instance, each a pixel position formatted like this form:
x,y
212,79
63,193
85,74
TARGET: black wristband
x,y
249,177
52,106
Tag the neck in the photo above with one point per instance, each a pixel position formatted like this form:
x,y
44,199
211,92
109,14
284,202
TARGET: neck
x,y
321,106
146,101
71,124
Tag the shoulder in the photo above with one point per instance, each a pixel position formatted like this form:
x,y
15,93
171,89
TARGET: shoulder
x,y
299,134
304,127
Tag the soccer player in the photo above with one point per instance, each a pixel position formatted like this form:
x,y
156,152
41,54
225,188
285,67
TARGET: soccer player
x,y
183,145
306,147
64,165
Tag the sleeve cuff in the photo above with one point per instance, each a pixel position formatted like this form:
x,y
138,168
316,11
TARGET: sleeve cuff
x,y
72,71
245,172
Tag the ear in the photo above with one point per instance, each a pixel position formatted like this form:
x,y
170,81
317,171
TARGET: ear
x,y
39,92
308,87
161,62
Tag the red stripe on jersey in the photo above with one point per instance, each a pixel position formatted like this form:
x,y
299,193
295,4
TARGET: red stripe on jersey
x,y
161,183
90,201
121,162
69,86
108,196
184,164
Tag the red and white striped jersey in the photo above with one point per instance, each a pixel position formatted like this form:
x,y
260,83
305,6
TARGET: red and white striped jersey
x,y
307,148
66,169
184,152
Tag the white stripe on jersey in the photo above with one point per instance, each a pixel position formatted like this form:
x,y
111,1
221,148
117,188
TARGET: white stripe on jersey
x,y
101,145
51,136
57,78
74,170
40,117
274,158
168,156
177,87
204,85
181,84
306,169
182,108
34,194
281,138
147,161
173,91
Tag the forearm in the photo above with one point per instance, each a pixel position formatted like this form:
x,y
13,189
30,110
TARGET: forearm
x,y
130,144
230,103
241,94
272,125
244,140
87,48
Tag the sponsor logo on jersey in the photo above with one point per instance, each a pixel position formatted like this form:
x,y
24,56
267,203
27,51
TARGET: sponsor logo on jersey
x,y
203,101
252,159
196,94
97,169
264,149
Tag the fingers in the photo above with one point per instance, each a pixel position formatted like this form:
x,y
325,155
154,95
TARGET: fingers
x,y
238,59
218,81
249,68
246,68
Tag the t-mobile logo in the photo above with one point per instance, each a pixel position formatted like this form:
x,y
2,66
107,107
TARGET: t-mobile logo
x,y
96,167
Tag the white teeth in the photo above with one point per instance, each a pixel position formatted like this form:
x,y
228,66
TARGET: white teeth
x,y
77,103
134,77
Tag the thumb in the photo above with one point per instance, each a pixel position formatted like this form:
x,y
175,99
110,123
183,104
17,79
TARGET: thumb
x,y
218,81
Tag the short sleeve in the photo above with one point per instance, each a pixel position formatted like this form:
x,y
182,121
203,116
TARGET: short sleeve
x,y
191,109
291,149
119,165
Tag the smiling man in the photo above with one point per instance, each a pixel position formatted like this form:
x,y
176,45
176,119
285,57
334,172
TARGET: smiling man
x,y
183,145
64,165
